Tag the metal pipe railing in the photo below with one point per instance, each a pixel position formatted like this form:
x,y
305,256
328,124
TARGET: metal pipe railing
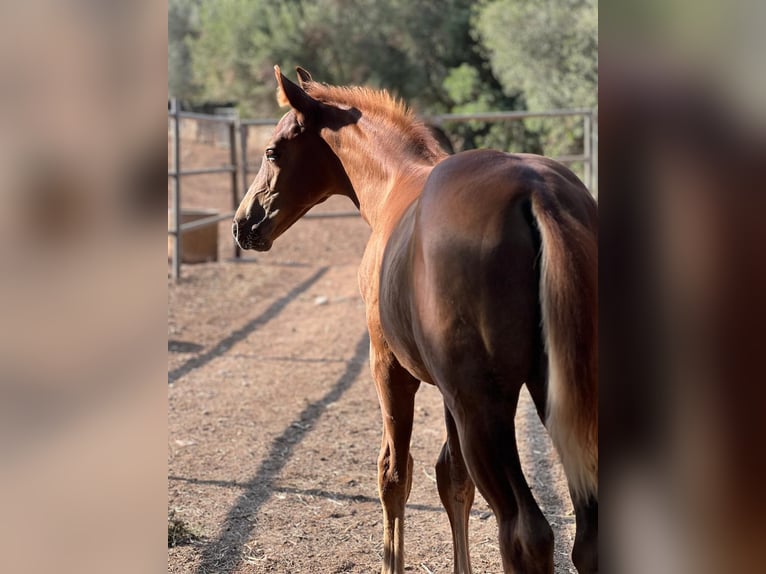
x,y
510,116
176,202
205,170
205,221
234,176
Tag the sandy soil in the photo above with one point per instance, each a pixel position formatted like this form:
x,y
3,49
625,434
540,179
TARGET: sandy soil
x,y
274,426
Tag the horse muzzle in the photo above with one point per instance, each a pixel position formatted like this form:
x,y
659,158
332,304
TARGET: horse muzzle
x,y
252,236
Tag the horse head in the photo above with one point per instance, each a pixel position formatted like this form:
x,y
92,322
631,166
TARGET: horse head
x,y
298,169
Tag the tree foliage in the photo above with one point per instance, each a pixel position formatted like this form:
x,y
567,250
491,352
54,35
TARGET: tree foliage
x,y
407,46
183,26
546,50
447,56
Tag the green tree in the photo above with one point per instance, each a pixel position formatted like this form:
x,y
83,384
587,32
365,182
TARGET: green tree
x,y
183,26
406,46
545,49
447,56
547,52
470,93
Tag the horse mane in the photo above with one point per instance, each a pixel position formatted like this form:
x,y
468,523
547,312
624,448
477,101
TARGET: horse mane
x,y
381,107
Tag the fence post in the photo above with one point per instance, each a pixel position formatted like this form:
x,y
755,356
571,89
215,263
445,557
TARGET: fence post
x,y
176,263
234,183
243,149
587,150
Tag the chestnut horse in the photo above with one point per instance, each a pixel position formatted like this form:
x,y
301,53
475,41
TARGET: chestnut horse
x,y
480,276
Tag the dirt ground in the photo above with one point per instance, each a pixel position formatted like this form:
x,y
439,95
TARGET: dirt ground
x,y
273,423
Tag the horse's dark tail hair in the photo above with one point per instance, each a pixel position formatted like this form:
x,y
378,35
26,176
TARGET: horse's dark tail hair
x,y
569,304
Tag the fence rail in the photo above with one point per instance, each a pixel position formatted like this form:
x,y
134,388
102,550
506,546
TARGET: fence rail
x,y
240,168
507,116
203,171
203,117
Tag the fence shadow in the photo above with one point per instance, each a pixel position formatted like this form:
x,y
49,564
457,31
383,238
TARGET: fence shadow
x,y
227,343
316,492
175,346
223,555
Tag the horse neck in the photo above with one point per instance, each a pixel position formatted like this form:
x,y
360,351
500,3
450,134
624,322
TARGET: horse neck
x,y
384,167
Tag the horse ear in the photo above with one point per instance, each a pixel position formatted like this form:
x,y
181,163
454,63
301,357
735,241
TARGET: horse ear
x,y
293,95
303,76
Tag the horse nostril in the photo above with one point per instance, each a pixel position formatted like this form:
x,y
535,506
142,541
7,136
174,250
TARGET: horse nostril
x,y
235,229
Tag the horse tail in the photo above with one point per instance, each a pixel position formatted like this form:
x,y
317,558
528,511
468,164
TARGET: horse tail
x,y
569,305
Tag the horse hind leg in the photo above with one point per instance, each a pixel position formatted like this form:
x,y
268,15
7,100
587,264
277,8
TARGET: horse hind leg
x,y
456,490
488,442
585,549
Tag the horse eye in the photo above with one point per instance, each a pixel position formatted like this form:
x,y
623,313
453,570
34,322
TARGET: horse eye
x,y
271,154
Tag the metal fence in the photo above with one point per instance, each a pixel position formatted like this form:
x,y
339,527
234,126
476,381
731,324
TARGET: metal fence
x,y
589,154
177,229
240,168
